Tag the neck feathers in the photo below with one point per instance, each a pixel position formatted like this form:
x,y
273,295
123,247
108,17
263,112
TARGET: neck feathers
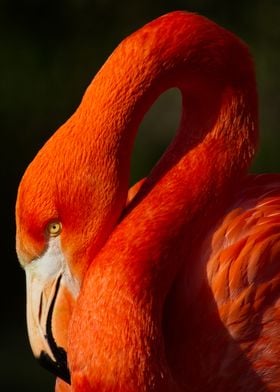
x,y
212,149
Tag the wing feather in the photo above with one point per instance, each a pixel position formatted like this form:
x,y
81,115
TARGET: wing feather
x,y
243,273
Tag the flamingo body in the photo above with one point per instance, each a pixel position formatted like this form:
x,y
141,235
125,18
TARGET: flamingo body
x,y
174,287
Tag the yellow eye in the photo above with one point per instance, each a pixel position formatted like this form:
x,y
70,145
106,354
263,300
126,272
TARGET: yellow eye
x,y
54,228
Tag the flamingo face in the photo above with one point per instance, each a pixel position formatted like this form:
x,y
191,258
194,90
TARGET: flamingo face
x,y
51,292
50,283
47,248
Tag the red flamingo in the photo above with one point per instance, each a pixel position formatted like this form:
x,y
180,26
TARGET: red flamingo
x,y
177,289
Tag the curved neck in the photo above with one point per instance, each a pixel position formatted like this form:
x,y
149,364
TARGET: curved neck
x,y
210,66
131,276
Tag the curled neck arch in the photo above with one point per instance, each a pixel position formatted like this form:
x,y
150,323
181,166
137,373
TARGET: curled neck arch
x,y
210,67
213,147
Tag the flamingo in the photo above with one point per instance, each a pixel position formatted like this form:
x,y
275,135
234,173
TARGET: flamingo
x,y
174,285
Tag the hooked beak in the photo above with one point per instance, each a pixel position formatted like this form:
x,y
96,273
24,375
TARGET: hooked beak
x,y
51,292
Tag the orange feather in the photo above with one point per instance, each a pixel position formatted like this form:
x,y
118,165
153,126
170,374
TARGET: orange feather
x,y
179,282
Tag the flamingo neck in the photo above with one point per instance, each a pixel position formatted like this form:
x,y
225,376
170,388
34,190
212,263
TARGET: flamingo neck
x,y
132,275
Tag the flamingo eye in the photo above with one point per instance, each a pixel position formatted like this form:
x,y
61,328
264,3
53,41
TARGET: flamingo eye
x,y
54,228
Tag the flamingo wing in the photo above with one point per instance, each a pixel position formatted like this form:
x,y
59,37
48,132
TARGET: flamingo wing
x,y
243,274
222,317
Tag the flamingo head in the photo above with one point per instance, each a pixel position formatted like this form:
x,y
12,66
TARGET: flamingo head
x,y
64,214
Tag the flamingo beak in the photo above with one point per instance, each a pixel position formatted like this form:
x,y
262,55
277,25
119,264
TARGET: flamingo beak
x,y
51,292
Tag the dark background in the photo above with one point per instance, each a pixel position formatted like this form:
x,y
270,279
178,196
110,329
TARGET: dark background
x,y
50,51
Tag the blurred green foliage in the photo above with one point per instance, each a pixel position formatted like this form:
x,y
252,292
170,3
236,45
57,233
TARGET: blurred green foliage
x,y
50,51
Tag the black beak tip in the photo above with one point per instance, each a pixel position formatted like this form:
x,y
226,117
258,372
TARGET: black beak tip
x,y
59,369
